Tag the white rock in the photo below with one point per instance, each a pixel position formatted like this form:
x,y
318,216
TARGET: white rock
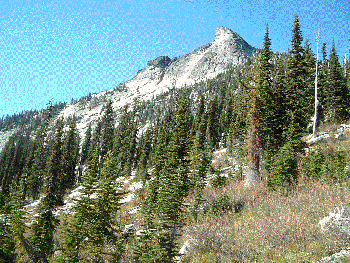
x,y
134,210
318,138
135,186
337,222
127,198
339,255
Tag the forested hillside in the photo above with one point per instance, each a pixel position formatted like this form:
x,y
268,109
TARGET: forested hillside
x,y
260,112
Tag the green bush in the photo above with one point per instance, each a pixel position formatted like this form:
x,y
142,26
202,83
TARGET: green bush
x,y
333,167
221,204
7,248
219,181
311,165
285,168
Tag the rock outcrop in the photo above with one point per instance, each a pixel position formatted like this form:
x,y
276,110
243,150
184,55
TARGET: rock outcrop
x,y
228,49
337,223
163,73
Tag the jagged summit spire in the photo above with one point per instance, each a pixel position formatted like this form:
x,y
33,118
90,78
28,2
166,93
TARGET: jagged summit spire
x,y
224,30
224,33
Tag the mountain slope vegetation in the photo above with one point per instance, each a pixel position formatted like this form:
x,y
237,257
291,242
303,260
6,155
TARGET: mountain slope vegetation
x,y
140,189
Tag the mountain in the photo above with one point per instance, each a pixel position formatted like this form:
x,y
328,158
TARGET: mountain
x,y
163,73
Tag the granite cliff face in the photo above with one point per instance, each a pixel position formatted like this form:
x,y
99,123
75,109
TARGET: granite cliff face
x,y
206,62
163,73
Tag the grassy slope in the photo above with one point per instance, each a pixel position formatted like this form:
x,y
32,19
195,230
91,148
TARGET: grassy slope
x,y
273,226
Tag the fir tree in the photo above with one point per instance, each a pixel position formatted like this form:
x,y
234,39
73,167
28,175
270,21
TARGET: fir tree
x,y
254,143
200,156
213,132
55,178
309,78
200,163
93,226
77,230
47,223
125,141
95,141
296,88
285,169
179,146
86,146
36,171
70,154
107,130
15,230
168,187
261,113
144,155
336,94
279,122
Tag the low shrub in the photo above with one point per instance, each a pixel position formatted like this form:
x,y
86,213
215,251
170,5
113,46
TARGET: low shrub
x,y
221,204
333,167
219,181
311,165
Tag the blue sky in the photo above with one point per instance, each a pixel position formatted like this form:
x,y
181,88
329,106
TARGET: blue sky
x,y
59,50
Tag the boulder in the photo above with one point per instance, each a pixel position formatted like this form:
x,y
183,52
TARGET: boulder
x,y
337,222
343,254
319,137
186,248
128,230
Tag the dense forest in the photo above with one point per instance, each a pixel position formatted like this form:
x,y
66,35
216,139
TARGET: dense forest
x,y
259,111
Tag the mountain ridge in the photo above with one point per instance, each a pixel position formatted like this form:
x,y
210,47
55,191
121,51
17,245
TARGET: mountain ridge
x,y
228,49
161,74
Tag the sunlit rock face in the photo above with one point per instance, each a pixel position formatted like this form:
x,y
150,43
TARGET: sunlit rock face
x,y
162,73
206,62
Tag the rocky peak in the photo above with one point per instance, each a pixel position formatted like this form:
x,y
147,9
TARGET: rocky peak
x,y
161,62
229,38
162,73
224,33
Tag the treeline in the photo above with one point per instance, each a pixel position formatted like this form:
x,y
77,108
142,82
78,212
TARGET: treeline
x,y
264,106
28,119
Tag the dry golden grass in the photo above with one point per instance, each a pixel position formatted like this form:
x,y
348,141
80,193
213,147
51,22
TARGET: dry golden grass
x,y
272,227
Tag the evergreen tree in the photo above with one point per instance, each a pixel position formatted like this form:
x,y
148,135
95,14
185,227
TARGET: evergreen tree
x,y
55,187
265,94
86,146
213,132
14,159
200,163
254,143
84,154
107,130
93,226
14,230
199,114
296,88
47,223
168,187
285,169
70,154
336,94
145,146
125,141
95,141
179,146
36,170
322,81
309,78
77,230
200,156
261,114
280,109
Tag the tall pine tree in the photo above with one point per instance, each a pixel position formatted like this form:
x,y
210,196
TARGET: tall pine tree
x,y
336,94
